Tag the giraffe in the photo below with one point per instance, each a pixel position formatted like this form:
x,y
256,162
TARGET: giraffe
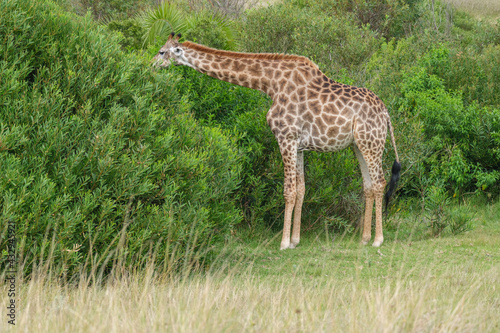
x,y
309,112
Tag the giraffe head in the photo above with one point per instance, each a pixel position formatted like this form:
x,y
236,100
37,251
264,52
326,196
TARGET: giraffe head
x,y
171,53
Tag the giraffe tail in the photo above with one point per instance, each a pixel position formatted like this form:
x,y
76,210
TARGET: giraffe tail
x,y
396,169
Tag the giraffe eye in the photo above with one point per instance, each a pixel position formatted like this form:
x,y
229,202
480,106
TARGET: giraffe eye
x,y
162,53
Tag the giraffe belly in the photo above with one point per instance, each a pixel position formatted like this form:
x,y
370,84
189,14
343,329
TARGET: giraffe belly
x,y
325,144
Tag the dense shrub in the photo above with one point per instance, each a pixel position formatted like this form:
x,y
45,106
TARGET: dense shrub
x,y
389,18
446,100
475,73
271,29
335,43
386,67
212,30
131,31
106,9
463,138
101,157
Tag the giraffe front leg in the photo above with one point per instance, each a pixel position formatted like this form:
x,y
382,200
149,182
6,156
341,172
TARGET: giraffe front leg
x,y
289,155
290,199
301,190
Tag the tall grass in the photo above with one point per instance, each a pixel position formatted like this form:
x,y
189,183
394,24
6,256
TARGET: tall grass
x,y
432,285
205,305
480,8
455,300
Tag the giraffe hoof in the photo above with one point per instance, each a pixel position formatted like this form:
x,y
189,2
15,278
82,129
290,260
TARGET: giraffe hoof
x,y
377,243
284,246
292,246
364,242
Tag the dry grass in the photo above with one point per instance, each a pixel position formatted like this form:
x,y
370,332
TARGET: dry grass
x,y
435,285
447,284
489,9
458,301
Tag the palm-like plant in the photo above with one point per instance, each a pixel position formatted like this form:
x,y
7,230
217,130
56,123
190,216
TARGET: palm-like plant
x,y
160,21
210,28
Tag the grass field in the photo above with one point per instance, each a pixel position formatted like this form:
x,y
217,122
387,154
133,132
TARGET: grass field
x,y
489,9
447,284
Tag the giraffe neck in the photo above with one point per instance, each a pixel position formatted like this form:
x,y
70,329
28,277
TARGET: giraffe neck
x,y
264,72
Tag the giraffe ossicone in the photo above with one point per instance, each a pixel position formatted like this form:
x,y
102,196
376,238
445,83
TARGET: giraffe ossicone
x,y
309,112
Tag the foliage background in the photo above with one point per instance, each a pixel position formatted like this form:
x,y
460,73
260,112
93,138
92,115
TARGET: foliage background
x,y
106,160
101,158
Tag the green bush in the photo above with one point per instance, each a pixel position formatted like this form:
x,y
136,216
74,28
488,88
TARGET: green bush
x,y
338,45
475,73
131,31
389,18
271,29
212,30
101,158
105,9
462,139
347,45
387,65
444,108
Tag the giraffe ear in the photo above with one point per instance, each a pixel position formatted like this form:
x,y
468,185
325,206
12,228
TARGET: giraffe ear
x,y
178,37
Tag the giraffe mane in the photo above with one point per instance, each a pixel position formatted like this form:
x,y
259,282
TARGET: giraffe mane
x,y
243,55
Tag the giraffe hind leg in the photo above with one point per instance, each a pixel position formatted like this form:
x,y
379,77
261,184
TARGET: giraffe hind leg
x,y
367,188
377,175
370,149
379,195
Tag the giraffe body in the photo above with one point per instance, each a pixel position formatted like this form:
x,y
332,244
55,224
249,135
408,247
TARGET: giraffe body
x,y
309,112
